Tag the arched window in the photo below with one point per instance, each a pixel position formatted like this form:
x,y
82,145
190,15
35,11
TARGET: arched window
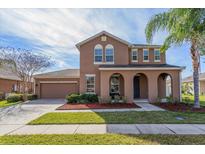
x,y
109,53
98,53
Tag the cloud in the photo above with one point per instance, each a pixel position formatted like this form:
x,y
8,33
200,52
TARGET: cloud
x,y
59,28
55,32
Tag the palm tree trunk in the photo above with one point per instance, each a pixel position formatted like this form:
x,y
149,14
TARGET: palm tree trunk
x,y
196,88
195,63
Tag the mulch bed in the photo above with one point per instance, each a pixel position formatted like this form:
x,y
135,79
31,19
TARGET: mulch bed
x,y
179,107
97,106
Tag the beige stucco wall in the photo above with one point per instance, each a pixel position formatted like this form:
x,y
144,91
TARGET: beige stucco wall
x,y
122,55
143,86
162,85
152,76
87,65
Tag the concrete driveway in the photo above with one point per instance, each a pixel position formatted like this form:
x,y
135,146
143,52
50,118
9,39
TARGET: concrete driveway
x,y
22,114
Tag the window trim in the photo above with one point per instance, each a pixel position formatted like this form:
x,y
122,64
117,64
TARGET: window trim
x,y
100,62
132,55
143,55
89,75
106,54
159,55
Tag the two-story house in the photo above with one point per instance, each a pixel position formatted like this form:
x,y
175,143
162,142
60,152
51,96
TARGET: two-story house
x,y
112,66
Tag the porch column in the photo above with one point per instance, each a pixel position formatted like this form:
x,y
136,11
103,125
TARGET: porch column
x,y
128,88
176,86
104,84
152,87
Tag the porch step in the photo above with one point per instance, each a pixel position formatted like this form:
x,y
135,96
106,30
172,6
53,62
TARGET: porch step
x,y
141,101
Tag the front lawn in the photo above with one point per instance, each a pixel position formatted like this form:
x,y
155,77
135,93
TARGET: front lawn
x,y
191,98
98,139
134,117
4,103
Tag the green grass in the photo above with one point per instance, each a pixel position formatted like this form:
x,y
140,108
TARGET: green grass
x,y
201,98
4,103
109,139
146,117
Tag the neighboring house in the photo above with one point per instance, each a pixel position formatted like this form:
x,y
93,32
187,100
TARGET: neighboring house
x,y
111,66
189,81
10,82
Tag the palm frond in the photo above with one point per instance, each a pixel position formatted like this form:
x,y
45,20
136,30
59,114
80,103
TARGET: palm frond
x,y
157,22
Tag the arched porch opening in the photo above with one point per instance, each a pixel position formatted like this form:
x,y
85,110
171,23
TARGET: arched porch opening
x,y
165,85
116,85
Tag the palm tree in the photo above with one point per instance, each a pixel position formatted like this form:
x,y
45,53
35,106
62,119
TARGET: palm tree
x,y
182,25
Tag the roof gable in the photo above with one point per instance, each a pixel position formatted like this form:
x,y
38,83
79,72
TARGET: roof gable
x,y
67,73
190,78
6,73
99,34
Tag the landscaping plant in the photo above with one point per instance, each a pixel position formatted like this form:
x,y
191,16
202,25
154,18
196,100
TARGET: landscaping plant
x,y
82,98
14,98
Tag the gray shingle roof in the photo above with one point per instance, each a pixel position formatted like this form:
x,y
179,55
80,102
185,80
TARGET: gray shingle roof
x,y
190,78
6,73
146,45
67,73
139,66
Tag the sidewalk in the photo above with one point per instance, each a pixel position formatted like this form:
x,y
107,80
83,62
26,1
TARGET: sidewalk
x,y
183,129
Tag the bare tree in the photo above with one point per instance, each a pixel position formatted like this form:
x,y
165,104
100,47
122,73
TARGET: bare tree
x,y
25,64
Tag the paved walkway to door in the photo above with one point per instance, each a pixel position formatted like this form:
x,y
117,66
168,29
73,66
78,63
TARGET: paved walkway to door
x,y
182,129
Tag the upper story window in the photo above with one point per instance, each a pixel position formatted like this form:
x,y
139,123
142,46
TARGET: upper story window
x,y
134,55
156,55
98,53
145,55
90,83
109,54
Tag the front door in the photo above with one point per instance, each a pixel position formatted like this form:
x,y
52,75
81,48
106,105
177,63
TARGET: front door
x,y
136,87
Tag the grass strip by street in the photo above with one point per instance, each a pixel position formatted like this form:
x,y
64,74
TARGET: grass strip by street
x,y
191,98
143,117
101,139
4,103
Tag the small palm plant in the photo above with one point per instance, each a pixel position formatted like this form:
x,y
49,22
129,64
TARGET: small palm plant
x,y
183,25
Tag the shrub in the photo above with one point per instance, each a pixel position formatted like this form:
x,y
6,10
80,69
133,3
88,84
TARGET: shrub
x,y
91,98
170,99
73,98
14,98
83,98
32,96
118,99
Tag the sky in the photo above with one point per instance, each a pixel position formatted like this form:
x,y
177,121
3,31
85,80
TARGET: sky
x,y
55,32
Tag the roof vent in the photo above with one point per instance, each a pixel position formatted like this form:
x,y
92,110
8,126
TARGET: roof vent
x,y
103,38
